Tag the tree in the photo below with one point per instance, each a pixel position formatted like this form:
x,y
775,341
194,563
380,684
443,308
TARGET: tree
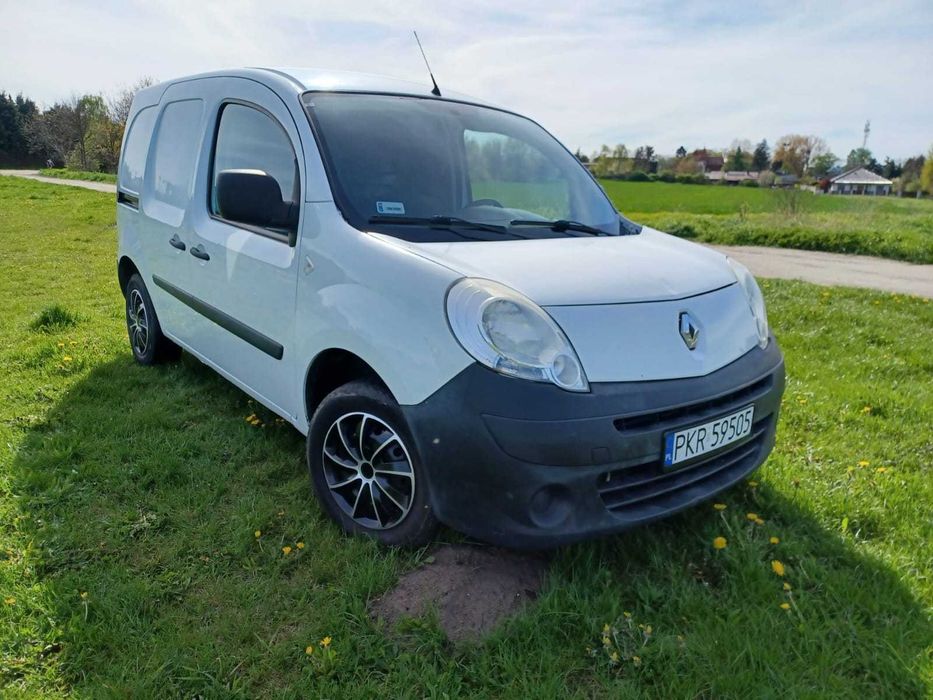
x,y
821,165
16,115
737,160
926,174
858,158
681,152
795,151
761,157
891,169
118,105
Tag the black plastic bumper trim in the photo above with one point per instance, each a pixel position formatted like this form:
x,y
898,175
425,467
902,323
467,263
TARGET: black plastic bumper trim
x,y
224,320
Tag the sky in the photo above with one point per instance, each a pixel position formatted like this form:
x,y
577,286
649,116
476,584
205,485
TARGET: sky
x,y
636,72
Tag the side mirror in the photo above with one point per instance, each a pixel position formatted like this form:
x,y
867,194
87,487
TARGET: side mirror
x,y
253,197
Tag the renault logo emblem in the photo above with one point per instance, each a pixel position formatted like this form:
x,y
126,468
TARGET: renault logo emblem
x,y
689,331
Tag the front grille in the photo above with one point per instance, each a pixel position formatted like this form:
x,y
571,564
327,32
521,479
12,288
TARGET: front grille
x,y
644,489
695,412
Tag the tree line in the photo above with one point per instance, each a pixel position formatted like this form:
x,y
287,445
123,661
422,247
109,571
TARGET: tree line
x,y
805,157
83,132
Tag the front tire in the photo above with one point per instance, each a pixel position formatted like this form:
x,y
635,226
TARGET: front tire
x,y
147,342
364,467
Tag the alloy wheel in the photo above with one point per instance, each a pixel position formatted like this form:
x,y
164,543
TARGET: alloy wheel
x,y
368,470
138,322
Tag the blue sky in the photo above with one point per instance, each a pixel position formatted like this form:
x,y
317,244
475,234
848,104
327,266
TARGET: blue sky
x,y
638,72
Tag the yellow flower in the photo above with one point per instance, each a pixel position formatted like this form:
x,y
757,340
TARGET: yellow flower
x,y
785,606
309,649
864,463
636,660
66,358
257,534
614,657
286,550
786,586
719,506
606,641
759,521
83,595
606,629
326,642
881,470
753,484
61,345
866,409
752,516
10,601
777,567
648,629
251,417
719,543
775,540
627,614
300,545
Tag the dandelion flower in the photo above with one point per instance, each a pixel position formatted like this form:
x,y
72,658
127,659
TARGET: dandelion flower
x,y
881,470
606,629
759,521
66,358
719,506
636,660
775,540
627,614
864,463
286,550
257,534
326,642
309,649
785,606
648,629
614,657
777,567
300,545
61,345
866,409
83,595
752,516
753,484
786,586
10,601
719,543
606,641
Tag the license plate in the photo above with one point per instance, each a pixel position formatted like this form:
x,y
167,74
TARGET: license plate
x,y
682,445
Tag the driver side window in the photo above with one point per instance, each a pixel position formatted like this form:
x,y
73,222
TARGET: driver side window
x,y
254,181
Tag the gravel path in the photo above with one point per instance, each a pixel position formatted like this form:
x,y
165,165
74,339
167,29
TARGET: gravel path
x,y
783,263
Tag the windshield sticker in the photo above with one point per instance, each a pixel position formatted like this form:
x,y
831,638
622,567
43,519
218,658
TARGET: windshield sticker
x,y
390,207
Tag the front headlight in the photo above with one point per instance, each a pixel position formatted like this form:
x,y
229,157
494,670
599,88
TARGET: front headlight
x,y
756,301
511,334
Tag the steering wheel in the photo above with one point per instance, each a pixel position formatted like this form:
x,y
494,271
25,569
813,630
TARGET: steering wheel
x,y
484,203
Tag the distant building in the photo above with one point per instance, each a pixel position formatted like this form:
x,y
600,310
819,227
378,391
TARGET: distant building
x,y
859,181
732,177
707,160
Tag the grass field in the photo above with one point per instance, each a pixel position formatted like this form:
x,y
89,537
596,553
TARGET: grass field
x,y
889,227
131,499
68,174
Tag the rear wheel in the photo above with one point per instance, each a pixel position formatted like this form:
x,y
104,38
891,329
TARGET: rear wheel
x,y
147,342
364,468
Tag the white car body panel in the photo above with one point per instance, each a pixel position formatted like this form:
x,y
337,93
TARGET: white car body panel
x,y
383,299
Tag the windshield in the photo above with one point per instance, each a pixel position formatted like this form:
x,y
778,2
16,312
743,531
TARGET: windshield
x,y
426,169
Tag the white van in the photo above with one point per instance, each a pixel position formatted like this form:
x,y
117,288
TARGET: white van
x,y
441,297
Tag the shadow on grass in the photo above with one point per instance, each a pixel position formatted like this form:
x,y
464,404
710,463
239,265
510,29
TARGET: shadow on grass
x,y
156,518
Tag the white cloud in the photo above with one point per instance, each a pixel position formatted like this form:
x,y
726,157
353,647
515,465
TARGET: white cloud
x,y
592,72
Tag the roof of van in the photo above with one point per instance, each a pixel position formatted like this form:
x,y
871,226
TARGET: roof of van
x,y
299,80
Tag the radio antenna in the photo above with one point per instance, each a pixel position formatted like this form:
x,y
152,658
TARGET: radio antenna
x,y
436,90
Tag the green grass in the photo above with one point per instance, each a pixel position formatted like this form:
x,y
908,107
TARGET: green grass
x,y
142,489
884,226
67,174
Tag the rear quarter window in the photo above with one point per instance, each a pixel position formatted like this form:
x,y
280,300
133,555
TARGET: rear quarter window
x,y
176,152
133,165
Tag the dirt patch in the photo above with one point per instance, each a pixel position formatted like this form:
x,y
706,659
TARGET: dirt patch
x,y
472,589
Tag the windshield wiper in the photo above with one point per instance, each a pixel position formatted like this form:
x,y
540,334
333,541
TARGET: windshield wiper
x,y
560,225
438,222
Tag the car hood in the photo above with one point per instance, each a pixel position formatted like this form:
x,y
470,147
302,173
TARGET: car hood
x,y
649,266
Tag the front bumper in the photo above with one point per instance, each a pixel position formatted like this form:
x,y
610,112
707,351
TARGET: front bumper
x,y
526,464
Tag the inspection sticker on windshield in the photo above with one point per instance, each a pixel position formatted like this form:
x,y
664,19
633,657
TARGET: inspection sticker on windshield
x,y
686,444
390,207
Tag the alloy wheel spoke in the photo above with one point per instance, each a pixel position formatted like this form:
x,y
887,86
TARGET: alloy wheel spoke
x,y
388,494
372,499
340,462
382,446
343,439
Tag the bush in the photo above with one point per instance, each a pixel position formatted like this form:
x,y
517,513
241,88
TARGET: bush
x,y
54,318
638,176
667,176
749,183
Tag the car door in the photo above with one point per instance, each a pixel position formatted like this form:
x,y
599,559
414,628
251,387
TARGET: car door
x,y
245,262
163,199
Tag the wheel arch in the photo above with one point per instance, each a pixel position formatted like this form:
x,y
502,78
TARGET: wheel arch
x,y
126,268
331,369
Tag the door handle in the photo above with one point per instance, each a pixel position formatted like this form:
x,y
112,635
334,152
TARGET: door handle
x,y
199,252
176,242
